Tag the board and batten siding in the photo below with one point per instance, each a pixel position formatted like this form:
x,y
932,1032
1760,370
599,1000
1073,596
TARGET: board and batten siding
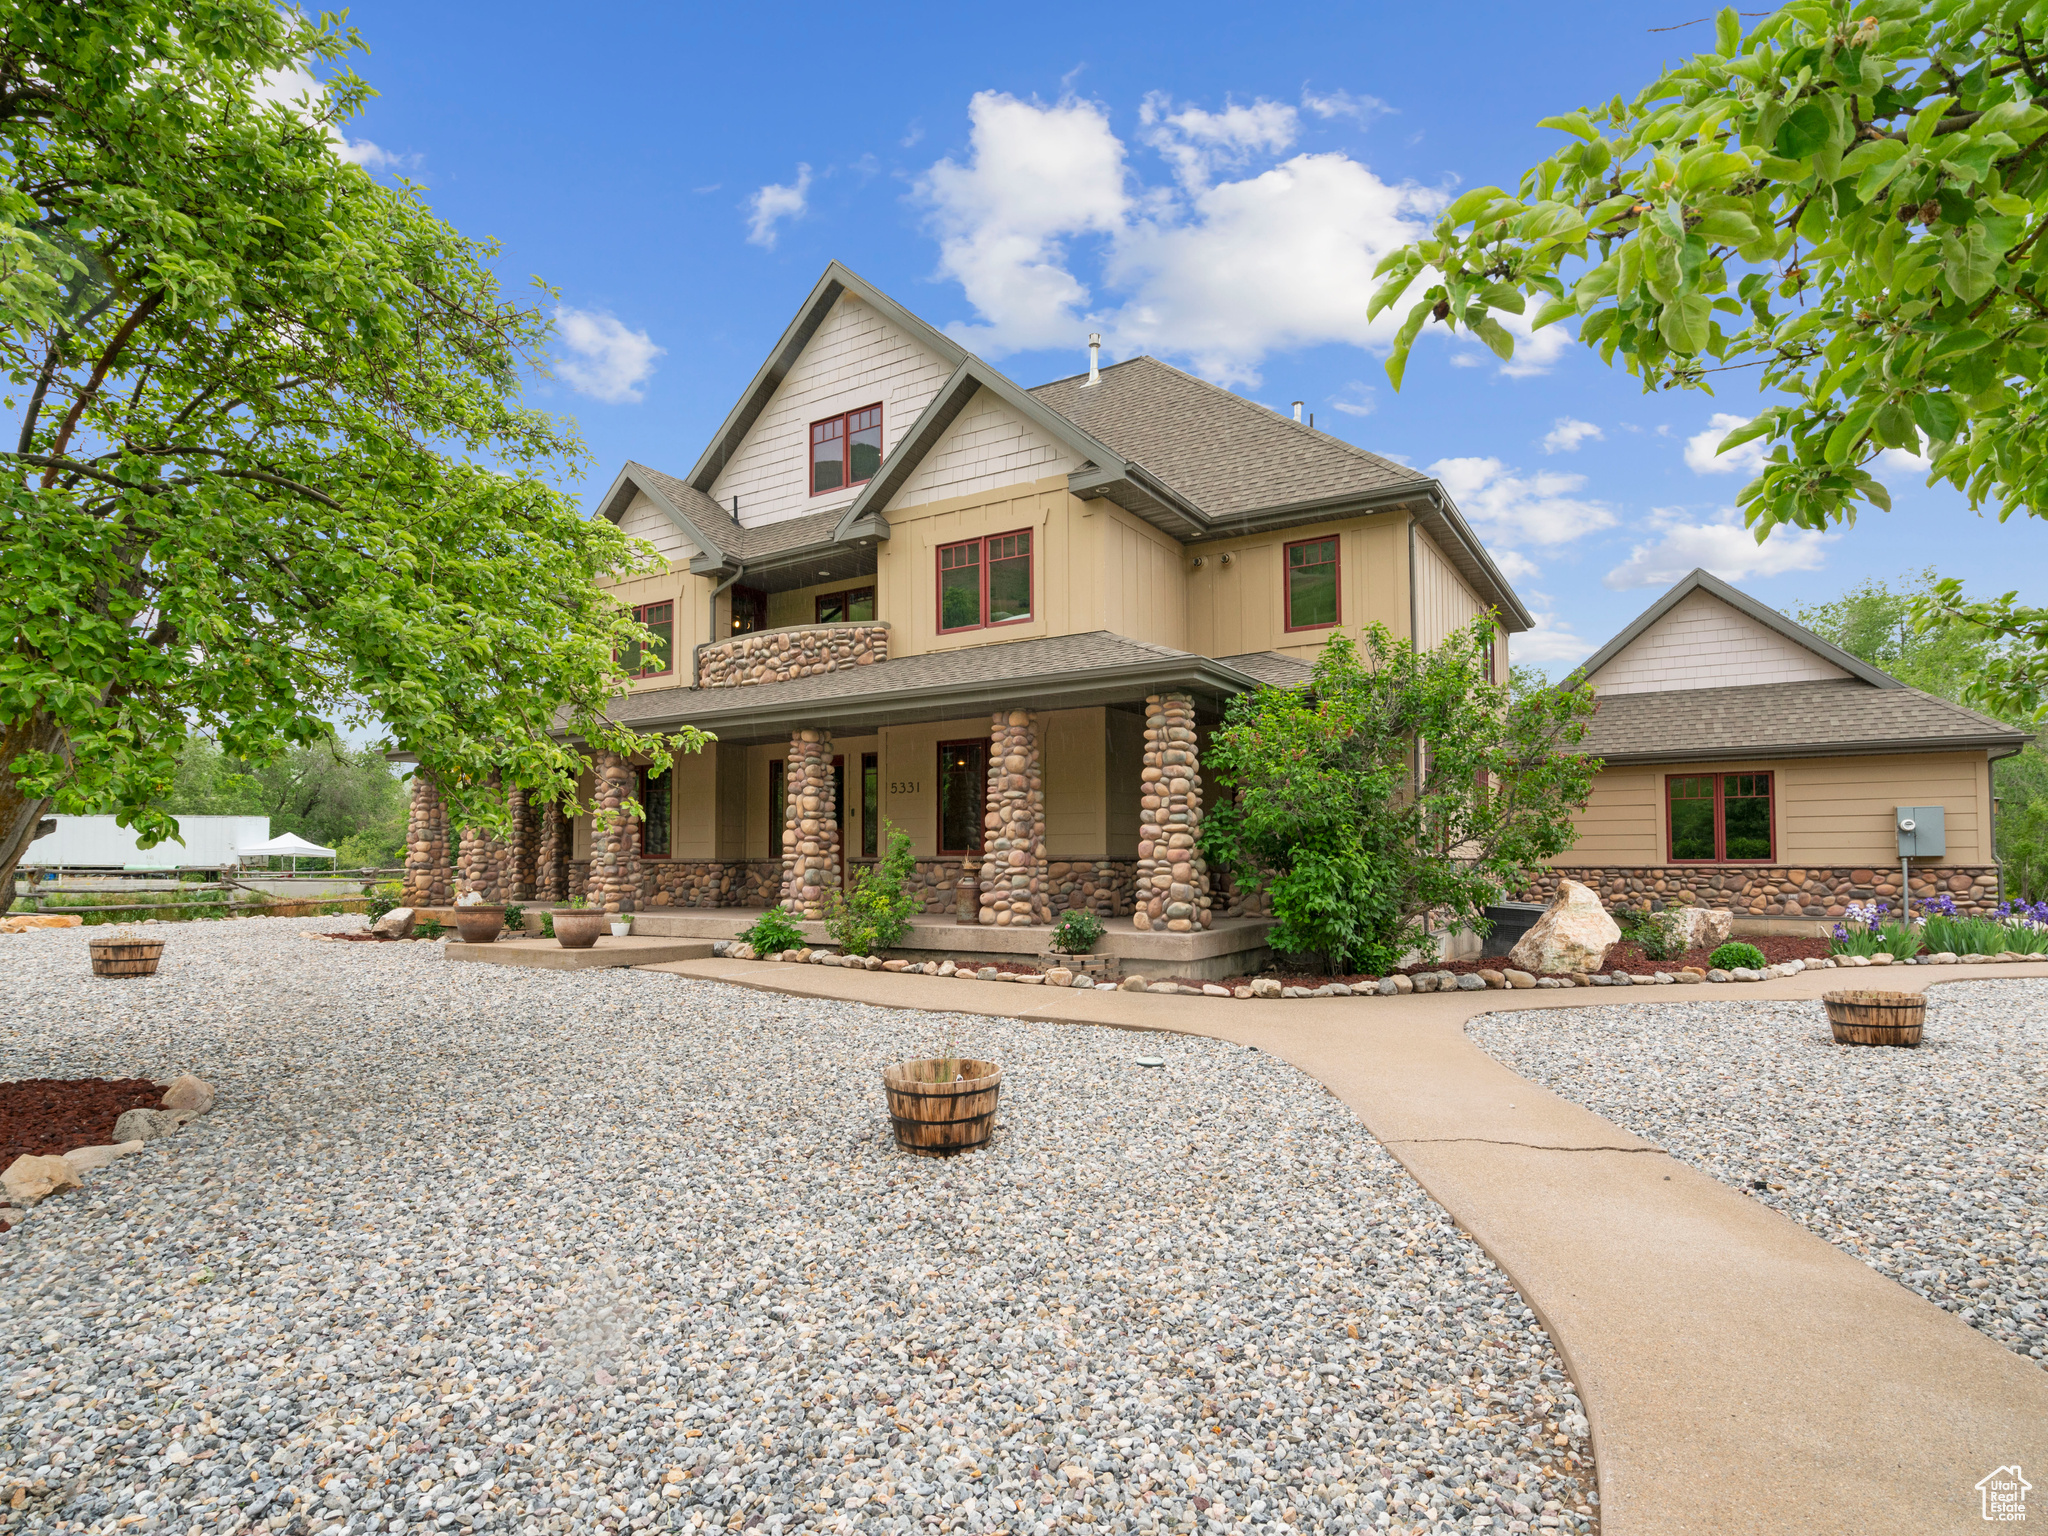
x,y
856,358
1237,600
1829,811
1704,643
1443,603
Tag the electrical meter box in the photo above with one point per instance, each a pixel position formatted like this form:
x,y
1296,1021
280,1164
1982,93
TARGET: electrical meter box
x,y
1922,833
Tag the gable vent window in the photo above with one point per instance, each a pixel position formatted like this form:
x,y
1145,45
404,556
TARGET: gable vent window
x,y
846,450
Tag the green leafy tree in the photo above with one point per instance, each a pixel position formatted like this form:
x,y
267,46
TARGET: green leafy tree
x,y
268,463
1395,784
876,914
341,797
1849,199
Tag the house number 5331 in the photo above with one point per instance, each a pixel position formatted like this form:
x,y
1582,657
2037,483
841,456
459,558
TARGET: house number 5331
x,y
905,786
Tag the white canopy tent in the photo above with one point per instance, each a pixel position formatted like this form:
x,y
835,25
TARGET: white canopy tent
x,y
287,845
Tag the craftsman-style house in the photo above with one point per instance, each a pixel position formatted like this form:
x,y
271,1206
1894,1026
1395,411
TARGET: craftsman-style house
x,y
903,590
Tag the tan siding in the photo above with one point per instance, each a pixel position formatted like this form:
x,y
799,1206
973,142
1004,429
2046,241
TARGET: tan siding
x,y
910,775
1144,585
693,801
689,594
1238,605
1075,745
1827,811
1443,603
732,800
1704,643
855,359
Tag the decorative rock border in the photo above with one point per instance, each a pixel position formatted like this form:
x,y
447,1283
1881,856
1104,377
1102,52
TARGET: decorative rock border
x,y
1388,986
31,1179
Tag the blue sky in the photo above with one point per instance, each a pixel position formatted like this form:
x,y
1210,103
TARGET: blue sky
x,y
1208,183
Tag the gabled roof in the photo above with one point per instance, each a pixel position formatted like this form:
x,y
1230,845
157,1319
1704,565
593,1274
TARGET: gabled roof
x,y
836,281
1743,603
696,516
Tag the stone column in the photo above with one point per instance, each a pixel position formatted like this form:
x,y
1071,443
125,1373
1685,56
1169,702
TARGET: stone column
x,y
614,837
485,863
551,858
429,861
810,835
1013,876
523,849
1173,881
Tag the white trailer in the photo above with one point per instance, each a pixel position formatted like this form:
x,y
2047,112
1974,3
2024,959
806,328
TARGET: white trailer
x,y
96,842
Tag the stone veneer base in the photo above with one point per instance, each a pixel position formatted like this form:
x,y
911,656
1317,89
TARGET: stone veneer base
x,y
1793,891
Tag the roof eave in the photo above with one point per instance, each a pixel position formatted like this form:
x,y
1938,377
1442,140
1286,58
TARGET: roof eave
x,y
1861,747
612,506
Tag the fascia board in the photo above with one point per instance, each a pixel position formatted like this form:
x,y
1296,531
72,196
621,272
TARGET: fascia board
x,y
1465,541
1765,751
614,503
789,348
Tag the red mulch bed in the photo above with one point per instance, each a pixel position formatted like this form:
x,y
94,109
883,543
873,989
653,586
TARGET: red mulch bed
x,y
1625,956
48,1116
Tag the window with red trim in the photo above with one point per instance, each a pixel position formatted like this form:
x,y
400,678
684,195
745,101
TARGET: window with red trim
x,y
642,660
1719,818
1314,595
985,582
846,450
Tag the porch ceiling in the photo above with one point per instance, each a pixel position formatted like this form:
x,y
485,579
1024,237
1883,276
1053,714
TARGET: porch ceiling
x,y
1062,672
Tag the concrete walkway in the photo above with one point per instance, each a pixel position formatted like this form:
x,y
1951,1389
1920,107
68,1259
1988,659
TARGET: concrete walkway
x,y
1740,1374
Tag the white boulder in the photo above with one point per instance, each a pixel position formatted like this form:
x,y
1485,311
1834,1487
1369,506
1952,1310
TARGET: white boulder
x,y
1574,935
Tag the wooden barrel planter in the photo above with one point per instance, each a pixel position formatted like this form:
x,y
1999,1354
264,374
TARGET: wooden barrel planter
x,y
578,927
1876,1018
130,957
939,1119
479,925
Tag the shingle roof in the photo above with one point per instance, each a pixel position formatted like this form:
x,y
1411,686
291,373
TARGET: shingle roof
x,y
1271,667
1029,673
1842,716
1222,452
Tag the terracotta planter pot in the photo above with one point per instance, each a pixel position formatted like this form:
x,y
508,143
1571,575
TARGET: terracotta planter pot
x,y
935,1119
479,925
578,927
1876,1018
136,958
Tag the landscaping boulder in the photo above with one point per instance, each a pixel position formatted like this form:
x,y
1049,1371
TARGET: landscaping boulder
x,y
396,924
1266,986
30,1179
91,1159
189,1092
1135,984
22,922
1573,935
148,1124
1702,927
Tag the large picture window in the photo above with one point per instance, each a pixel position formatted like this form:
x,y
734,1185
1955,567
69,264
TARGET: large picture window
x,y
963,795
656,801
985,582
846,450
1719,818
643,660
1314,592
844,607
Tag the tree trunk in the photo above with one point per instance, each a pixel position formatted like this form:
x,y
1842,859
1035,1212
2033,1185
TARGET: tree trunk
x,y
20,815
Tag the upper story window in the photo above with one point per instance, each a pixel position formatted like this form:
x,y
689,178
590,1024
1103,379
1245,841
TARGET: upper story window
x,y
1314,596
985,582
1719,818
842,607
643,660
846,450
749,610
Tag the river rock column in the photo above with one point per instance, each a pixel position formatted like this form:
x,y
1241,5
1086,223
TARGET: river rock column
x,y
1013,882
522,848
810,834
429,864
1173,880
614,836
551,855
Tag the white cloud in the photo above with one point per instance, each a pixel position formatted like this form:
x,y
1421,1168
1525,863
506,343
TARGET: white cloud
x,y
1515,565
775,202
1216,270
1357,399
1344,104
296,88
1721,545
1035,176
1747,459
1514,509
1905,460
1568,433
607,360
1551,640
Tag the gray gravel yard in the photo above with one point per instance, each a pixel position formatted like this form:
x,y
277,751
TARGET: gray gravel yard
x,y
1930,1165
472,1248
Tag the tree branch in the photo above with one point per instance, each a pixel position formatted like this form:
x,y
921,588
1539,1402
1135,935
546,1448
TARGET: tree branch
x,y
128,328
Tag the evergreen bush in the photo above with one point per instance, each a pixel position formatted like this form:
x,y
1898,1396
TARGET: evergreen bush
x,y
1737,956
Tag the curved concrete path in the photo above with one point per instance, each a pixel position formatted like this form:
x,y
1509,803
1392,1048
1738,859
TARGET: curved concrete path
x,y
1740,1374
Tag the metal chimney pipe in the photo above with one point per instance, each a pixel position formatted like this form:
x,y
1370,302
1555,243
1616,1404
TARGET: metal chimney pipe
x,y
1297,408
1094,357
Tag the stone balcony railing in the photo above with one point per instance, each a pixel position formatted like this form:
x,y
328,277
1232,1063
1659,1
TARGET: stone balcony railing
x,y
799,650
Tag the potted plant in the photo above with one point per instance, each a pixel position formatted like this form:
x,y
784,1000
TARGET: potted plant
x,y
124,953
943,1105
578,924
477,923
622,924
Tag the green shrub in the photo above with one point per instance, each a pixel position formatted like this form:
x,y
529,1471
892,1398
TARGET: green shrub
x,y
383,898
878,912
515,917
428,928
1899,939
1965,935
1077,932
1655,933
774,931
547,925
1737,956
